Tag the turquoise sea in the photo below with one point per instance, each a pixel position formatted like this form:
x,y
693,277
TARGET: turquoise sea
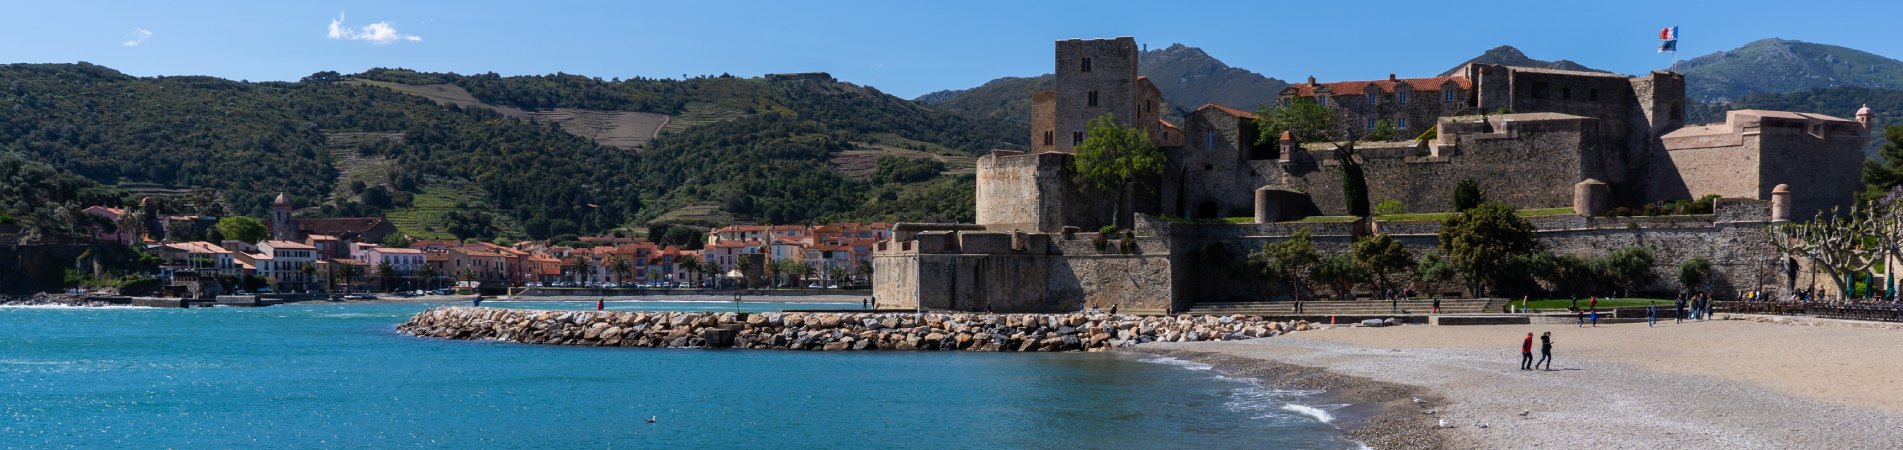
x,y
326,375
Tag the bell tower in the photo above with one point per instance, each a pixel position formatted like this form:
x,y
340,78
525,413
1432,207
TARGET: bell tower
x,y
283,226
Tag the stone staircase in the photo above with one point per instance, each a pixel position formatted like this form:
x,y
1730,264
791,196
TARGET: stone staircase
x,y
1348,308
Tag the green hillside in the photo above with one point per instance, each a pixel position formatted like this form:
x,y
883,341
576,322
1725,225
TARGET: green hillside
x,y
1771,66
757,147
1188,77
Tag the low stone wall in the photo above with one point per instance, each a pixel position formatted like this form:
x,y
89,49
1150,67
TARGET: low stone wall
x,y
834,331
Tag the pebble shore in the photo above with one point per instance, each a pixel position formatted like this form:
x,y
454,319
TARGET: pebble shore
x,y
836,331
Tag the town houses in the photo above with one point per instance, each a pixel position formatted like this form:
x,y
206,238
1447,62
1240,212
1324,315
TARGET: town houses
x,y
305,255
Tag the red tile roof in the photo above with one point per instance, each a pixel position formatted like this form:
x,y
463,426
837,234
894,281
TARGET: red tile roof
x,y
1359,87
1228,110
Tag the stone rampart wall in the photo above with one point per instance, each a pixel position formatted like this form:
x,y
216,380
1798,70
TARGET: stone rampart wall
x,y
834,331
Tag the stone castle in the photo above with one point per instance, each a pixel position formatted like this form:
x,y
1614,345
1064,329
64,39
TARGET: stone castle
x,y
1532,138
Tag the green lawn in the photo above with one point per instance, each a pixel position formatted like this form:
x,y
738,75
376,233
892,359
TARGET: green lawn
x,y
1439,216
1312,219
1562,303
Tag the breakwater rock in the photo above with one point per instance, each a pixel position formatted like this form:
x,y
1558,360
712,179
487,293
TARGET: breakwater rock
x,y
835,331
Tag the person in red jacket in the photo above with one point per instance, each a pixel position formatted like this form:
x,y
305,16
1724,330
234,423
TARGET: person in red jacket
x,y
1526,353
601,303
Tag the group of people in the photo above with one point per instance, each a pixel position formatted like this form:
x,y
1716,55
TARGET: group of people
x,y
1546,352
1700,304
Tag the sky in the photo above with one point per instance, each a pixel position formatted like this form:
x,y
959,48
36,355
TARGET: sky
x,y
905,48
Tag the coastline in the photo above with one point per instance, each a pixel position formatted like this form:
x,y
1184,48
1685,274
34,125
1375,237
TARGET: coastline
x,y
1382,414
1605,391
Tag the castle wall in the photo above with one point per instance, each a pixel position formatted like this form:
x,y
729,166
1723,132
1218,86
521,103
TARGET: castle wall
x,y
1044,122
1797,158
1563,147
1210,175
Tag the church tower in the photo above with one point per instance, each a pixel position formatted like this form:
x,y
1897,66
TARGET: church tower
x,y
283,227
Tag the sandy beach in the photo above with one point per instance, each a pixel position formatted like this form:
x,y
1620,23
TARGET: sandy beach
x,y
1719,384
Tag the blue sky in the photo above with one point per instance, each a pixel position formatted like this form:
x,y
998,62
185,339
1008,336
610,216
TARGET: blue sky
x,y
905,48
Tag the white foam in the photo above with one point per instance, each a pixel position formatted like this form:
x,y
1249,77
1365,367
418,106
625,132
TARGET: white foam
x,y
1191,365
1310,411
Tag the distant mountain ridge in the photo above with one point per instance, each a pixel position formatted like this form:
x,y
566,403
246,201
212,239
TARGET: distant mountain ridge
x,y
1507,55
1770,66
1188,77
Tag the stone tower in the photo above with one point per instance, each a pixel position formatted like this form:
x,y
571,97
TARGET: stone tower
x,y
1093,77
1864,115
283,226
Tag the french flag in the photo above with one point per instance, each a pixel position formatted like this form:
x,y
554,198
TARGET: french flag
x,y
1669,33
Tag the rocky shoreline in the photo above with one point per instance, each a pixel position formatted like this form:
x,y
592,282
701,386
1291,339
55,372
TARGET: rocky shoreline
x,y
44,299
835,331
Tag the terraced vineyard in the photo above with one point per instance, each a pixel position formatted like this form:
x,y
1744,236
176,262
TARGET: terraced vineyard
x,y
626,130
859,163
424,218
352,166
700,113
705,214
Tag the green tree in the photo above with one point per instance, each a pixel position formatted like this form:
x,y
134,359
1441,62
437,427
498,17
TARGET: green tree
x,y
1380,255
1693,273
1882,174
348,272
690,263
1630,268
243,229
710,268
395,240
1467,194
1340,274
1290,260
1384,130
1115,157
386,274
579,265
1482,241
745,266
428,274
835,275
1306,120
621,267
1432,272
1354,183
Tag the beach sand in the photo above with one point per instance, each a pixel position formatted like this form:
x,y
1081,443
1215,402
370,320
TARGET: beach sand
x,y
1719,384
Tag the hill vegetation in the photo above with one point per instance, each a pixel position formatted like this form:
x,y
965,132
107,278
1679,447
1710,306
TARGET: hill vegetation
x,y
1773,66
1507,55
352,145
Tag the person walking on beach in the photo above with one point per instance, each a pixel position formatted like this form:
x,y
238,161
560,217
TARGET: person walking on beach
x,y
1678,309
601,303
1652,314
1526,353
1546,351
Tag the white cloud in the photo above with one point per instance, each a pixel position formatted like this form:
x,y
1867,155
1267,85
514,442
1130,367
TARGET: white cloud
x,y
136,37
379,33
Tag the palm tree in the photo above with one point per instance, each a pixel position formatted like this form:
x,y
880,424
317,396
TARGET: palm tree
x,y
709,269
621,267
579,266
805,270
690,263
348,272
385,273
307,270
865,271
836,274
428,274
744,265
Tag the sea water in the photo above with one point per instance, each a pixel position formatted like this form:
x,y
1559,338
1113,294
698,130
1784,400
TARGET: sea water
x,y
329,375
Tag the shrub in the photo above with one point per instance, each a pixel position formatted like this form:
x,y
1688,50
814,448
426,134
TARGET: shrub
x,y
1390,206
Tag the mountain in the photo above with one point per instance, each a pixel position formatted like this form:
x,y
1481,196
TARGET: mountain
x,y
1509,56
446,155
1779,65
1188,77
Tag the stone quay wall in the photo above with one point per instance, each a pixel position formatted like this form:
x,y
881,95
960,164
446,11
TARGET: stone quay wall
x,y
835,331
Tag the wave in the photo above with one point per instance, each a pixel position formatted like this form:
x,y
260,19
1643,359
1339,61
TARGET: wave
x,y
1310,411
1186,364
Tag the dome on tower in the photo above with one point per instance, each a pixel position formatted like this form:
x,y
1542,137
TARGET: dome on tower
x,y
1864,111
282,200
